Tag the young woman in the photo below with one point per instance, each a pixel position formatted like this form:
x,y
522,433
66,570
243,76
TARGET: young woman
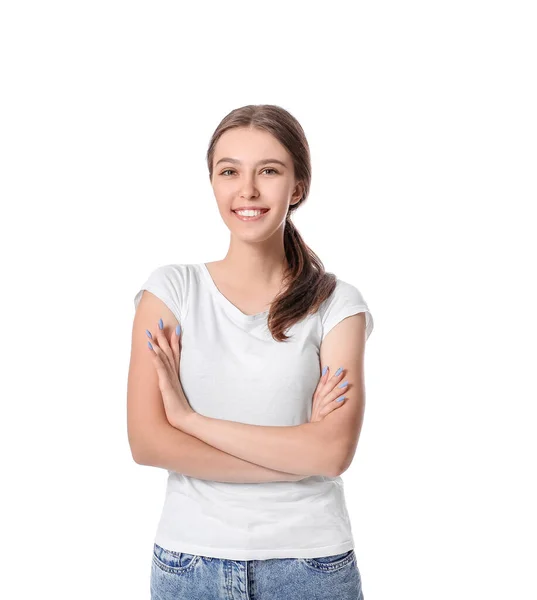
x,y
227,391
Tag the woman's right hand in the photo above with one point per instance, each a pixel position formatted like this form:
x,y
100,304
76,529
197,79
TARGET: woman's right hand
x,y
324,402
326,394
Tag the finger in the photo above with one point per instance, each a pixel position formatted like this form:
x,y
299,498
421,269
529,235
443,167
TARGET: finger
x,y
329,391
154,346
338,376
164,344
176,346
322,382
338,391
330,398
161,365
326,410
325,376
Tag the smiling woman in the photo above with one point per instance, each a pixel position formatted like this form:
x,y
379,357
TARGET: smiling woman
x,y
259,157
238,407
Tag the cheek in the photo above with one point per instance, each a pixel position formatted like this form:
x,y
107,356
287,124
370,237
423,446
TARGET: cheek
x,y
223,201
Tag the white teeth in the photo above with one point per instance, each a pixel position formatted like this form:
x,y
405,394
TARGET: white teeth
x,y
249,213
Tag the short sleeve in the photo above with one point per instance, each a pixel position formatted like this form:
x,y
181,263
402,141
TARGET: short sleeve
x,y
345,300
168,284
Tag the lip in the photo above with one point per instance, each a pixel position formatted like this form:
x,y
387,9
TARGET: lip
x,y
245,219
251,208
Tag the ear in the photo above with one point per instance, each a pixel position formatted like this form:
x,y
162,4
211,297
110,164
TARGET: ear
x,y
298,193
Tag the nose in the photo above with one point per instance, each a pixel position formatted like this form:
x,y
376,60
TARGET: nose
x,y
247,188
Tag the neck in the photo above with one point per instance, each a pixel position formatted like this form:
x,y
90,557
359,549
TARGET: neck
x,y
257,265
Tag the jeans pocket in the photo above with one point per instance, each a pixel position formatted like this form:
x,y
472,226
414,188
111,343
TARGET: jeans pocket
x,y
172,561
333,562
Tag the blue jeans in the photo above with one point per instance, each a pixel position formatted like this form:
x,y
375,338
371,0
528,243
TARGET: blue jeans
x,y
178,575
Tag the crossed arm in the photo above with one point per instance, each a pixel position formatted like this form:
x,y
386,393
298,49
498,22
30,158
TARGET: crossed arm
x,y
304,449
323,447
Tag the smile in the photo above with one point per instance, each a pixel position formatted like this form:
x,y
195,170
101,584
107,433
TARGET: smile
x,y
255,217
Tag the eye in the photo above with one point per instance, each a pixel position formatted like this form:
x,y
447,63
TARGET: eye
x,y
232,171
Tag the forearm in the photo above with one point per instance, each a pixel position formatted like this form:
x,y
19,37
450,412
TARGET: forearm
x,y
298,449
178,451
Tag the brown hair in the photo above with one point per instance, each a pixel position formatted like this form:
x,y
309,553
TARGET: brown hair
x,y
306,284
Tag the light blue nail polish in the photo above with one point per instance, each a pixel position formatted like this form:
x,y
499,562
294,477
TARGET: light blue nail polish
x,y
324,370
149,334
161,324
338,371
150,346
343,384
178,329
340,399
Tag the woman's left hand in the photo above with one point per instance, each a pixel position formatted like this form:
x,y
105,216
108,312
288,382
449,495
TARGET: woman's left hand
x,y
166,358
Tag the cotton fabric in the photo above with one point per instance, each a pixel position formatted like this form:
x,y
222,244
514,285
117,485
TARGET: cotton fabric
x,y
231,368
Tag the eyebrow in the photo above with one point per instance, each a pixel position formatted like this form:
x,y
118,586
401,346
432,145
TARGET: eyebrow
x,y
259,162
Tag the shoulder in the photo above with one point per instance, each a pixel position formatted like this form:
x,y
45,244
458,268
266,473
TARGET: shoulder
x,y
170,271
345,290
170,283
345,300
344,294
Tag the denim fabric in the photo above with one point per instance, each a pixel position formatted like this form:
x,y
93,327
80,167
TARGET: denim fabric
x,y
179,575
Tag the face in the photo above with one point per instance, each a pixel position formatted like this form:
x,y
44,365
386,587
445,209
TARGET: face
x,y
246,173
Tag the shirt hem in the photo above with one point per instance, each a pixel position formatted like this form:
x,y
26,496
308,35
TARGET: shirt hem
x,y
253,554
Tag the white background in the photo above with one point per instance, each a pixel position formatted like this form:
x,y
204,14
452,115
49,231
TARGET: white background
x,y
422,125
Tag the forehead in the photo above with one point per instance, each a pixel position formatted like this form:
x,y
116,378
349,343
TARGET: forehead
x,y
249,145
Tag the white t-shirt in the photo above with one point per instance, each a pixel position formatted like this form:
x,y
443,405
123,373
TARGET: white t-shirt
x,y
231,368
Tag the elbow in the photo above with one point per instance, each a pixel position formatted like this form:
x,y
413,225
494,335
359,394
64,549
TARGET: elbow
x,y
137,456
341,461
138,452
334,467
334,458
336,471
340,469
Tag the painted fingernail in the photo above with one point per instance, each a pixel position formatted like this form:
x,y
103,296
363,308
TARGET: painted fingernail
x,y
324,370
149,334
343,384
340,370
178,329
340,399
161,324
150,346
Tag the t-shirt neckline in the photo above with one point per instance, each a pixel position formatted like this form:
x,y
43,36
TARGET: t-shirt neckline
x,y
227,304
